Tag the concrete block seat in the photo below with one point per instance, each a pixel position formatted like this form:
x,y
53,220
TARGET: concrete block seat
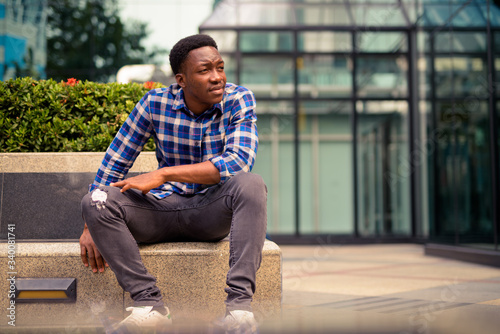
x,y
191,277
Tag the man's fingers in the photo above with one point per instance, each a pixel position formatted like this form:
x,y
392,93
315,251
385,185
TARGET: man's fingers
x,y
83,253
99,260
118,184
91,255
126,187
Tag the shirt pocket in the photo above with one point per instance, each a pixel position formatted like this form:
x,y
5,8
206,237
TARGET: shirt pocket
x,y
213,143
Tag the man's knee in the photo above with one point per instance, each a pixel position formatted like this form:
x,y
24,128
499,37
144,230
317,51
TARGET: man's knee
x,y
250,191
100,200
251,184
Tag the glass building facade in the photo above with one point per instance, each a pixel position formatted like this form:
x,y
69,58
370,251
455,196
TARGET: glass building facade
x,y
23,38
377,118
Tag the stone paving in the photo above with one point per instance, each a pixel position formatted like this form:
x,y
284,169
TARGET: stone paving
x,y
384,289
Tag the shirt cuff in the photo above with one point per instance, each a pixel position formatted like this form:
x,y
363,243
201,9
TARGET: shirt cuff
x,y
220,164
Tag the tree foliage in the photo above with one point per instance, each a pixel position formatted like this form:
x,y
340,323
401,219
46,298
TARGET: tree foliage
x,y
88,40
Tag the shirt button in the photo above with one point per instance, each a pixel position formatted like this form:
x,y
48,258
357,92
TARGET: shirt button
x,y
197,143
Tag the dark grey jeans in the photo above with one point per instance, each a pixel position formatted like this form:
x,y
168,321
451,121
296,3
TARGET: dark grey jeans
x,y
118,221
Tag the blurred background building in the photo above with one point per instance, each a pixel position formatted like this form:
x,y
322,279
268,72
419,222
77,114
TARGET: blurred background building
x,y
378,119
23,50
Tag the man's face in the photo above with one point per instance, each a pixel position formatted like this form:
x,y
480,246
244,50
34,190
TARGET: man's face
x,y
202,78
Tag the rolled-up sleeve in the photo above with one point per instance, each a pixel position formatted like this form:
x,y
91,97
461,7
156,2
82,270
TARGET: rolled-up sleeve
x,y
242,140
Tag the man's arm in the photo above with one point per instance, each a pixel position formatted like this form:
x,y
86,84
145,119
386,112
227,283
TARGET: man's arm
x,y
201,173
119,157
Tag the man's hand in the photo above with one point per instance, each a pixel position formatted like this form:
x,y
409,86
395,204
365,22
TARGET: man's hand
x,y
143,182
87,246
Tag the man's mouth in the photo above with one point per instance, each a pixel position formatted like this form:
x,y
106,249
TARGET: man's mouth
x,y
217,89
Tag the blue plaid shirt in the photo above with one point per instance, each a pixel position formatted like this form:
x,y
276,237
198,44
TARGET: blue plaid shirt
x,y
225,134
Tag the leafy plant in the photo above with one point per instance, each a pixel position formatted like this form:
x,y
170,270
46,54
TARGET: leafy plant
x,y
71,116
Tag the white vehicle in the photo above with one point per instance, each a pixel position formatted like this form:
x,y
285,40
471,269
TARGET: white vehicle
x,y
144,73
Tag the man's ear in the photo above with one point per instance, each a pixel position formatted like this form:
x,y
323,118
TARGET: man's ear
x,y
179,77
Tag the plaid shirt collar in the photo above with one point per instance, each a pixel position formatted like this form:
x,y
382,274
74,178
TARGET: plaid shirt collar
x,y
180,105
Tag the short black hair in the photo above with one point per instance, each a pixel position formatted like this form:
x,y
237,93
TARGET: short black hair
x,y
181,49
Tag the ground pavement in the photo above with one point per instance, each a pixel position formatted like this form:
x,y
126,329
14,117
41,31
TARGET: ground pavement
x,y
384,289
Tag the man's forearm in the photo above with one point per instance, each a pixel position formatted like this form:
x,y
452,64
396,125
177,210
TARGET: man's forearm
x,y
202,173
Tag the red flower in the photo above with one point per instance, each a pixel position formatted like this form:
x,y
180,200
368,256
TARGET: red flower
x,y
71,82
149,84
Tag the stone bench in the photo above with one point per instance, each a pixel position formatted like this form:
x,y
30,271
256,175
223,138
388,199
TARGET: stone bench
x,y
191,277
40,201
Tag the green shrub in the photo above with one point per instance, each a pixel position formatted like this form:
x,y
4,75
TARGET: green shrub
x,y
50,116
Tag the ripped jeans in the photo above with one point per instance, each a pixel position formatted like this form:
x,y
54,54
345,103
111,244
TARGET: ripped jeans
x,y
118,221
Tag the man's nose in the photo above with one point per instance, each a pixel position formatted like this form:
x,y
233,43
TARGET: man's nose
x,y
216,76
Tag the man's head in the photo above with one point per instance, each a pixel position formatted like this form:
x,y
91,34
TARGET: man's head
x,y
181,49
199,70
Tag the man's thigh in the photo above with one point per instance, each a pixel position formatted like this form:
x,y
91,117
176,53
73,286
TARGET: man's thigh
x,y
205,217
148,219
201,217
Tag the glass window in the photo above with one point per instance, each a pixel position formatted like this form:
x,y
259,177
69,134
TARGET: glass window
x,y
382,76
381,42
463,180
268,41
494,13
383,168
423,41
326,107
259,14
230,68
459,76
412,10
324,41
268,76
226,40
378,15
237,14
321,15
460,42
469,16
496,42
325,76
424,74
441,14
325,150
275,107
275,163
223,15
